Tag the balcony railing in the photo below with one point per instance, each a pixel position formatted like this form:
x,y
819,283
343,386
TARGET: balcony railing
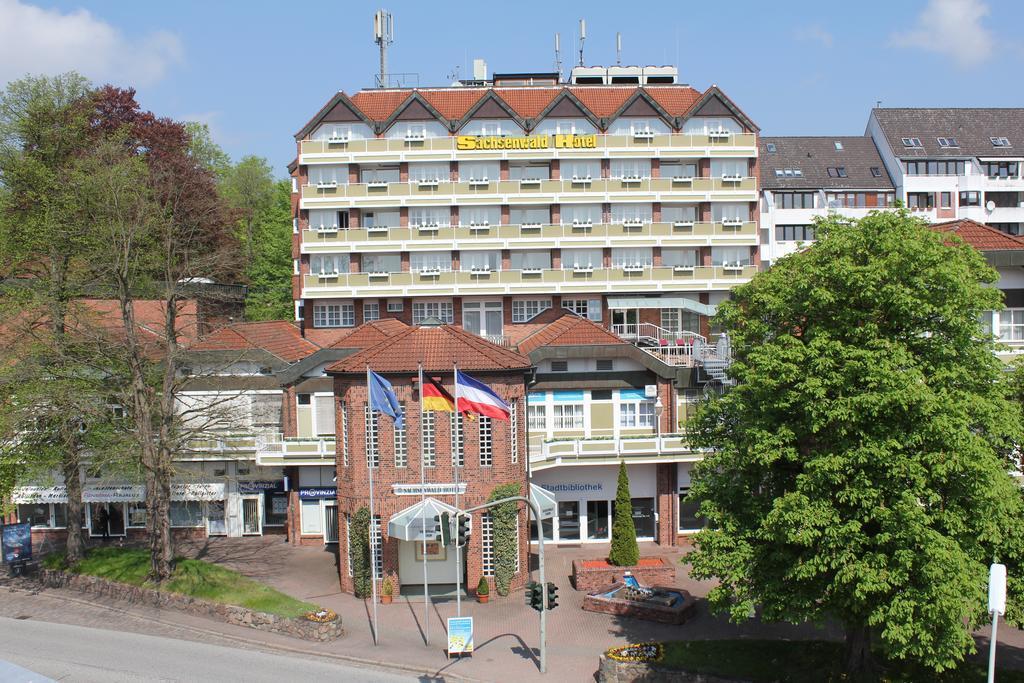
x,y
277,448
558,451
447,144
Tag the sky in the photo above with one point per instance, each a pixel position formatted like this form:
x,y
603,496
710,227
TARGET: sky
x,y
255,72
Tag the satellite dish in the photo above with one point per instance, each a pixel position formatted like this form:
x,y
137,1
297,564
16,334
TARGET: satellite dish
x,y
990,205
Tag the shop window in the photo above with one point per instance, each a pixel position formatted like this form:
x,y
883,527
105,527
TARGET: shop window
x,y
312,517
597,519
275,509
186,513
569,521
137,514
689,515
36,514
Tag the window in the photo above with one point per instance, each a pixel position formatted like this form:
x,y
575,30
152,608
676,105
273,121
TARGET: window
x,y
371,311
912,142
344,433
582,258
581,214
395,305
679,320
1000,142
442,310
513,426
970,199
416,130
372,451
487,539
947,142
328,174
480,261
554,126
530,260
348,545
838,145
428,172
378,550
559,366
334,315
380,219
568,415
265,411
635,409
605,365
999,169
430,260
770,147
536,416
728,168
678,169
730,257
836,171
585,308
586,169
630,168
722,212
597,519
496,127
382,263
946,200
379,174
940,167
480,215
478,171
48,515
521,171
921,201
486,435
401,446
456,429
429,216
529,215
327,220
703,125
324,415
137,514
794,200
189,513
794,233
876,172
689,512
524,310
427,450
326,265
632,213
312,518
632,257
678,213
483,317
342,132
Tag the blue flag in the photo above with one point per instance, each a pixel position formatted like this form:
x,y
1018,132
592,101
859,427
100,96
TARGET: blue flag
x,y
382,398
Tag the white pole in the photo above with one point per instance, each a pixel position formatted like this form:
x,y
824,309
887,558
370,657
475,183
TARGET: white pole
x,y
992,648
423,506
457,424
373,549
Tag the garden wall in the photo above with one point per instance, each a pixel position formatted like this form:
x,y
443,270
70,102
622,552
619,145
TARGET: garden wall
x,y
610,671
231,614
596,575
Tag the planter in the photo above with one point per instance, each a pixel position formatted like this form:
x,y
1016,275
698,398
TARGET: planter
x,y
482,598
595,575
385,599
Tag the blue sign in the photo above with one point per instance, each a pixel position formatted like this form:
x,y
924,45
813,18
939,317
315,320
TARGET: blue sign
x,y
17,542
460,635
314,492
260,486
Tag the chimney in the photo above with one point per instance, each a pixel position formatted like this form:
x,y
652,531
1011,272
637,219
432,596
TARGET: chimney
x,y
479,70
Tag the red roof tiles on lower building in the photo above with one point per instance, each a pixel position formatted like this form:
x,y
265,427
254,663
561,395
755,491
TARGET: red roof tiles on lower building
x,y
569,330
279,337
981,237
370,334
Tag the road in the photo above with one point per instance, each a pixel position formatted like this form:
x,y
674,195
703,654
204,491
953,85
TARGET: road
x,y
80,654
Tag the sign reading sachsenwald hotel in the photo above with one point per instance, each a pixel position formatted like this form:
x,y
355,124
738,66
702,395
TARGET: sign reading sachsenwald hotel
x,y
570,141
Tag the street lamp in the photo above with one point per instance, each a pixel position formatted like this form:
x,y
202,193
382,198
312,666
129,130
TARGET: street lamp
x,y
659,407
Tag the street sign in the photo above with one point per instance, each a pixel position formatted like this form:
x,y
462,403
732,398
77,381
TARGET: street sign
x,y
460,636
997,589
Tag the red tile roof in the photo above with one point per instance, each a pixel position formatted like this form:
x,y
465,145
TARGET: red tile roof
x,y
327,336
981,237
569,330
602,101
452,104
437,348
527,102
370,334
377,105
676,101
279,337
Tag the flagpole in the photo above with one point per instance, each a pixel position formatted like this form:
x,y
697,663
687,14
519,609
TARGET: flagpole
x,y
423,507
458,424
373,550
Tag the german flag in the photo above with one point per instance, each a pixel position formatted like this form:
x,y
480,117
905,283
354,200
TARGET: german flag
x,y
436,397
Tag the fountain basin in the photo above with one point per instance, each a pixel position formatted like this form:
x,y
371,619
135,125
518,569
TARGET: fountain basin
x,y
663,605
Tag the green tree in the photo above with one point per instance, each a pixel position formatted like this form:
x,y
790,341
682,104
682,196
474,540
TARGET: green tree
x,y
504,520
359,544
269,295
249,187
859,469
624,551
205,151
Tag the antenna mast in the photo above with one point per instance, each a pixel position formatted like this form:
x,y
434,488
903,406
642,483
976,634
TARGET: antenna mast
x,y
583,37
383,35
558,55
618,49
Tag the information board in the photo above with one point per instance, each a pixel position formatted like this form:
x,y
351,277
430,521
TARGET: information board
x,y
460,636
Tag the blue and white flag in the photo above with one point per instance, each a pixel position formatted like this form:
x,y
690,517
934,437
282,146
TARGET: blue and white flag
x,y
382,397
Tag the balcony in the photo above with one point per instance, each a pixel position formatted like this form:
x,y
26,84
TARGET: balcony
x,y
669,447
227,444
444,147
277,449
537,235
584,279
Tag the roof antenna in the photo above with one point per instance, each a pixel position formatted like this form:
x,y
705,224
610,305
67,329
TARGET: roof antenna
x,y
383,35
878,104
583,37
618,49
558,56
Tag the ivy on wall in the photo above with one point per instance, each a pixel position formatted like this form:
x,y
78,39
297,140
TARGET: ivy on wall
x,y
359,538
504,519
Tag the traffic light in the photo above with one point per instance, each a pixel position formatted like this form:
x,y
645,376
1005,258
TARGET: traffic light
x,y
444,528
535,595
465,526
552,595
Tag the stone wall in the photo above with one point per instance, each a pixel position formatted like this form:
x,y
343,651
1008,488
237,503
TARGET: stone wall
x,y
611,671
676,614
239,616
593,579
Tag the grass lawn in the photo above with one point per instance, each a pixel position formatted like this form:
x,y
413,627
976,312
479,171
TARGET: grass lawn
x,y
811,661
191,577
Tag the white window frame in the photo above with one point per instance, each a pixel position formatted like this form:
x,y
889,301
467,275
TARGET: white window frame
x,y
428,446
371,425
525,310
567,416
485,432
371,311
401,445
442,310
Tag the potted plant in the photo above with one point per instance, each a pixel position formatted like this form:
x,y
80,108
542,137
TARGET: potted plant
x,y
483,591
387,591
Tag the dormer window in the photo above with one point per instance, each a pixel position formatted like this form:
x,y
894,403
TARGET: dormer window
x,y
836,171
912,142
838,145
1000,142
876,172
947,142
770,147
779,173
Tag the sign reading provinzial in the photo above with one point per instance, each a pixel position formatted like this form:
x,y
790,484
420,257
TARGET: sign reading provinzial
x,y
428,489
315,492
561,141
460,636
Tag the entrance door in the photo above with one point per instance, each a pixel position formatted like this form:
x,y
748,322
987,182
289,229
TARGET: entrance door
x,y
330,523
251,516
624,323
106,519
216,524
643,517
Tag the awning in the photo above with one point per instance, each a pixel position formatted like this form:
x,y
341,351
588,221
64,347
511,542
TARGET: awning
x,y
634,302
544,500
117,493
416,523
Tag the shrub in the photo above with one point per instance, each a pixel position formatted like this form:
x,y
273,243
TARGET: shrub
x,y
482,588
625,552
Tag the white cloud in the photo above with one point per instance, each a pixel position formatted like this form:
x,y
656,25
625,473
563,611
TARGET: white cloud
x,y
952,28
44,41
814,34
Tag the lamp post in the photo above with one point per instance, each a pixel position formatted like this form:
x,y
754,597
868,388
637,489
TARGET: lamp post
x,y
659,407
